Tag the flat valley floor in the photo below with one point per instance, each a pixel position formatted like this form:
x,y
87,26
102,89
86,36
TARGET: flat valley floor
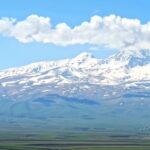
x,y
83,140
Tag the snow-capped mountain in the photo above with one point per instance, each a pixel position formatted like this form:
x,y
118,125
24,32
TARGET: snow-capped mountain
x,y
83,91
83,75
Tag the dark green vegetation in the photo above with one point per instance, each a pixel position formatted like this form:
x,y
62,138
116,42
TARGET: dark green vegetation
x,y
20,138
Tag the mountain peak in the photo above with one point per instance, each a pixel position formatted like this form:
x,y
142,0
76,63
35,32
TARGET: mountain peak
x,y
133,57
84,56
127,54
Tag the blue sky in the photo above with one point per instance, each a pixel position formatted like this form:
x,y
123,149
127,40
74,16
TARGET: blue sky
x,y
14,53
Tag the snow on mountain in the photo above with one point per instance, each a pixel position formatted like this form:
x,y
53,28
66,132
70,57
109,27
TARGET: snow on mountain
x,y
78,76
133,58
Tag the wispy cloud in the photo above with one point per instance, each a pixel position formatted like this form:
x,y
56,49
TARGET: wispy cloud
x,y
110,31
94,48
96,11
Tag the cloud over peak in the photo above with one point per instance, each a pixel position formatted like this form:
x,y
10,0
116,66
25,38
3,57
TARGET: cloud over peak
x,y
110,31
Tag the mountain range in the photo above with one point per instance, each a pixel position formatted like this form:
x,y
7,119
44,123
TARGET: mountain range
x,y
83,87
83,76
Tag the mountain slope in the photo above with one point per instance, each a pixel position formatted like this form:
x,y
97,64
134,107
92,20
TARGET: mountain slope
x,y
79,93
83,75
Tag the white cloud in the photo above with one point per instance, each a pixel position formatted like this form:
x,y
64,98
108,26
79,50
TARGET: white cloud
x,y
6,25
94,48
111,31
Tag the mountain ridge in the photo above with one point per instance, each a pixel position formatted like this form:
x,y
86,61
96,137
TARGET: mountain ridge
x,y
78,76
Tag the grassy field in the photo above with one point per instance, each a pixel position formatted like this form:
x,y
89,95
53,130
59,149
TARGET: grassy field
x,y
63,145
47,140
